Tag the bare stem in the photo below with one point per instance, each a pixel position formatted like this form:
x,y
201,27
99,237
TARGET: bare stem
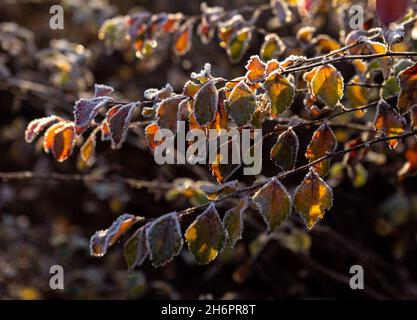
x,y
88,178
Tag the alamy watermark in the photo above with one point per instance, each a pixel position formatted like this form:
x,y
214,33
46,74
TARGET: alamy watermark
x,y
57,19
212,146
56,281
357,279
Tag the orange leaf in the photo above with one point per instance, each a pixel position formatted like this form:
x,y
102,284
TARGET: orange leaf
x,y
389,122
408,95
150,132
256,69
322,143
182,39
48,137
63,142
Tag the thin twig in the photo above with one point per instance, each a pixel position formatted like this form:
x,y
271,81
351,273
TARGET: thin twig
x,y
87,178
348,58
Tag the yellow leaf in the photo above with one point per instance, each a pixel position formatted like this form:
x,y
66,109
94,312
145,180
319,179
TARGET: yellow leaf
x,y
327,84
206,236
280,93
274,203
312,198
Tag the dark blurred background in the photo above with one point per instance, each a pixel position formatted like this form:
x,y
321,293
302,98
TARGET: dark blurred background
x,y
45,222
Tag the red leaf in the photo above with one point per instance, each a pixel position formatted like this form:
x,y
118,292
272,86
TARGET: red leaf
x,y
390,11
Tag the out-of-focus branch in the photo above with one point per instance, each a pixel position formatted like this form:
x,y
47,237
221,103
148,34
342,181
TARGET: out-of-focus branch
x,y
87,178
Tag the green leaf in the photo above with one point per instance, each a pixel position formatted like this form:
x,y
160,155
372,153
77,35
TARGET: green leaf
x,y
274,203
163,239
238,44
390,88
272,47
284,152
206,236
241,104
280,93
135,250
233,222
205,103
312,198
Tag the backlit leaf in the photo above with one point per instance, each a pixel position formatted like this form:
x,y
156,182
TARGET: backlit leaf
x,y
205,103
408,95
256,69
158,94
390,88
88,149
272,47
379,48
183,38
325,44
280,93
105,131
327,84
312,198
234,82
85,110
221,120
118,119
103,239
227,28
284,152
389,122
233,222
209,18
273,203
164,239
135,249
305,34
191,88
150,132
238,44
241,104
35,127
206,236
63,142
49,136
322,143
101,90
172,22
167,112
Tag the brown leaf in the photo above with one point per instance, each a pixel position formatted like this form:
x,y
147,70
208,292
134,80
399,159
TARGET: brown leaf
x,y
389,122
